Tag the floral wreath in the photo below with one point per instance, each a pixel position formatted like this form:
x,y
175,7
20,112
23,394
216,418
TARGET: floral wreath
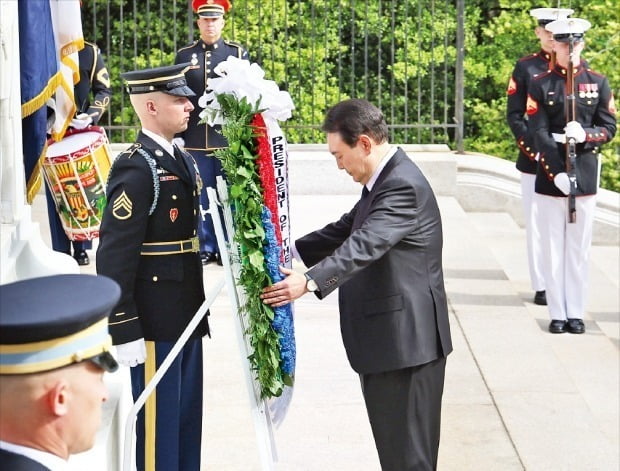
x,y
248,108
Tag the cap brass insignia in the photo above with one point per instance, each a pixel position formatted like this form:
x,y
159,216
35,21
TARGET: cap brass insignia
x,y
122,207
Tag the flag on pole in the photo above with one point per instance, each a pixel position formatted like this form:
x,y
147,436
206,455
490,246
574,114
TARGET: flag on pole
x,y
39,79
50,34
67,25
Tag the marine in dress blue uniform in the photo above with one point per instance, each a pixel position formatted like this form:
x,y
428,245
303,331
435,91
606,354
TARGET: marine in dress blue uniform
x,y
54,349
200,140
527,161
94,78
566,246
149,245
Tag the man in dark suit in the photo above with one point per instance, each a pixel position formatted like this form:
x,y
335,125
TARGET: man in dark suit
x,y
54,351
95,80
149,245
385,258
201,140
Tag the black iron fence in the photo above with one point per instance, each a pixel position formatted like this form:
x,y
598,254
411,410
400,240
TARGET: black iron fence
x,y
404,56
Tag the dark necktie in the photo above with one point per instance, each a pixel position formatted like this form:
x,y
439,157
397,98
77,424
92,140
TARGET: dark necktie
x,y
365,192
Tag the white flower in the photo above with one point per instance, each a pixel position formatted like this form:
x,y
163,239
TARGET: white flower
x,y
241,78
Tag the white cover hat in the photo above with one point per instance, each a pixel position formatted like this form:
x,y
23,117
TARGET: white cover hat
x,y
563,29
547,15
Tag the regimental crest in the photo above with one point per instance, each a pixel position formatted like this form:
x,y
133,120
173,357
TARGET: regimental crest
x,y
174,214
512,87
531,107
122,207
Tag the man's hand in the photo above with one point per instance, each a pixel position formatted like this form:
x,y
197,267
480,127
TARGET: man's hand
x,y
285,291
562,182
81,121
574,130
131,353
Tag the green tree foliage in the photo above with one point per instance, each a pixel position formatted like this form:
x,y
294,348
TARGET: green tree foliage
x,y
400,55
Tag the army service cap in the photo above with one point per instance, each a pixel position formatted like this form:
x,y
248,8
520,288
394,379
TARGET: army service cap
x,y
169,79
547,15
210,8
54,321
569,28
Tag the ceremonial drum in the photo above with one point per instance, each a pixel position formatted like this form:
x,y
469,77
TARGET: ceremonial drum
x,y
76,170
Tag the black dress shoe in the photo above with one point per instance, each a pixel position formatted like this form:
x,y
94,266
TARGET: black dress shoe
x,y
208,257
540,298
575,326
81,257
557,327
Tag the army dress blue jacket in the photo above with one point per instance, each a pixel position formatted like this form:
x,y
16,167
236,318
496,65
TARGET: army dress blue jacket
x,y
160,293
546,110
205,57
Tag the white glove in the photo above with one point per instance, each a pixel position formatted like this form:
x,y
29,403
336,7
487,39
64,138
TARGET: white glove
x,y
574,130
562,182
179,142
81,121
131,353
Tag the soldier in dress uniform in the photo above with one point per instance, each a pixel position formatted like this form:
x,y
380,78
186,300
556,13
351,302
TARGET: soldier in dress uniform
x,y
527,160
94,79
565,245
149,245
201,140
54,351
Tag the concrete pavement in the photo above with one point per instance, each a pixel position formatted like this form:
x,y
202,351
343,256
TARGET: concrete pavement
x,y
516,397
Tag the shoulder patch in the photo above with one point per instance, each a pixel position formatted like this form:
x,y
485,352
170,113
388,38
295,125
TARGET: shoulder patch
x,y
531,107
512,87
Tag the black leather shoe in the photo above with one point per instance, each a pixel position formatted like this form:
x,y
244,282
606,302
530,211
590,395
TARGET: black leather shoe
x,y
540,298
557,327
81,257
208,257
575,326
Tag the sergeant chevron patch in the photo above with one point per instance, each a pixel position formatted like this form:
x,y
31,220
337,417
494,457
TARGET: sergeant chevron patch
x,y
122,207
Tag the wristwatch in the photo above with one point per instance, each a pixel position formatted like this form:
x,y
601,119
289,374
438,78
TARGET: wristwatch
x,y
310,283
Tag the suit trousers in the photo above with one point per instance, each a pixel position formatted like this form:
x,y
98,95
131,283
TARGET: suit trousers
x,y
404,409
532,232
169,426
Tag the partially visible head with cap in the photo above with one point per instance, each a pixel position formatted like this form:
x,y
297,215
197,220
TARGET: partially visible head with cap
x,y
544,16
160,98
210,8
55,321
54,350
568,39
210,18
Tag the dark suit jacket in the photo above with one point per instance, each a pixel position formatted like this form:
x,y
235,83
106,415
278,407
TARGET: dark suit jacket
x,y
385,258
14,462
160,293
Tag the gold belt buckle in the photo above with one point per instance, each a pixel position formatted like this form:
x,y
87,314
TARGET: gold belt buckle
x,y
195,244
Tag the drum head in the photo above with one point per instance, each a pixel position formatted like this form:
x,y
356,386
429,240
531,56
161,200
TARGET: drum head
x,y
73,143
